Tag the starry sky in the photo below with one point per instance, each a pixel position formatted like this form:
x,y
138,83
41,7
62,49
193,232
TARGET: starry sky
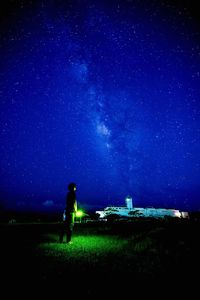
x,y
102,93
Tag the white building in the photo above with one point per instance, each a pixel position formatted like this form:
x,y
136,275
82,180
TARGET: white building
x,y
129,211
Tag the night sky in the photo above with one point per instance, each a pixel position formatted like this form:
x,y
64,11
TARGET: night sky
x,y
102,93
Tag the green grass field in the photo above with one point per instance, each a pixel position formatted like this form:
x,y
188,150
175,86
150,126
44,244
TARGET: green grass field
x,y
103,256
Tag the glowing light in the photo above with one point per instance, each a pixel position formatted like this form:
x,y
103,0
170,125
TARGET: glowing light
x,y
79,213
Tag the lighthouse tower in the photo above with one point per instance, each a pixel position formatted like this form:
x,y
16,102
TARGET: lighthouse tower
x,y
129,202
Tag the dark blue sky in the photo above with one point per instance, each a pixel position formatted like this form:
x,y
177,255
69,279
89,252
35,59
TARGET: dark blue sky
x,y
102,93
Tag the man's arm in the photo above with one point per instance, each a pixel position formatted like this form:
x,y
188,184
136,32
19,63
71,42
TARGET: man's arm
x,y
75,206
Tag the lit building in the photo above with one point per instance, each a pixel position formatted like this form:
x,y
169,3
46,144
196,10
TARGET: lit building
x,y
129,202
129,211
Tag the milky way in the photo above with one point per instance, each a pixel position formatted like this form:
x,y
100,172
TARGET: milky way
x,y
103,93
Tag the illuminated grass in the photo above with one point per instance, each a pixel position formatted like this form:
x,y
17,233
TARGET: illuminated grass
x,y
139,250
101,252
95,248
85,244
88,244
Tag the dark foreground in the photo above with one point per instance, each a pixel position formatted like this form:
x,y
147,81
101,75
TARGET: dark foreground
x,y
105,259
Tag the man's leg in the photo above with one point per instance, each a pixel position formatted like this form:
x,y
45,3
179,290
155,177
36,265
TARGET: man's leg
x,y
62,230
70,225
69,232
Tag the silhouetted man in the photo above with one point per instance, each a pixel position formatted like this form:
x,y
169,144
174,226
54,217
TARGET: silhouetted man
x,y
69,216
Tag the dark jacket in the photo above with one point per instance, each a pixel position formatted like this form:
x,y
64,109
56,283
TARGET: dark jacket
x,y
71,203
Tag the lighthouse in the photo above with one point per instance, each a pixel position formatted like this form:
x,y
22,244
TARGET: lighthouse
x,y
129,202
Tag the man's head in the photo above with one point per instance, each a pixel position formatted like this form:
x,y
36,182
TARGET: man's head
x,y
72,186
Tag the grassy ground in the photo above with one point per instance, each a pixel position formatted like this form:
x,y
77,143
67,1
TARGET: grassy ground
x,y
104,259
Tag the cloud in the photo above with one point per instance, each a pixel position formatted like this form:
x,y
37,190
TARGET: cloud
x,y
21,203
48,203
